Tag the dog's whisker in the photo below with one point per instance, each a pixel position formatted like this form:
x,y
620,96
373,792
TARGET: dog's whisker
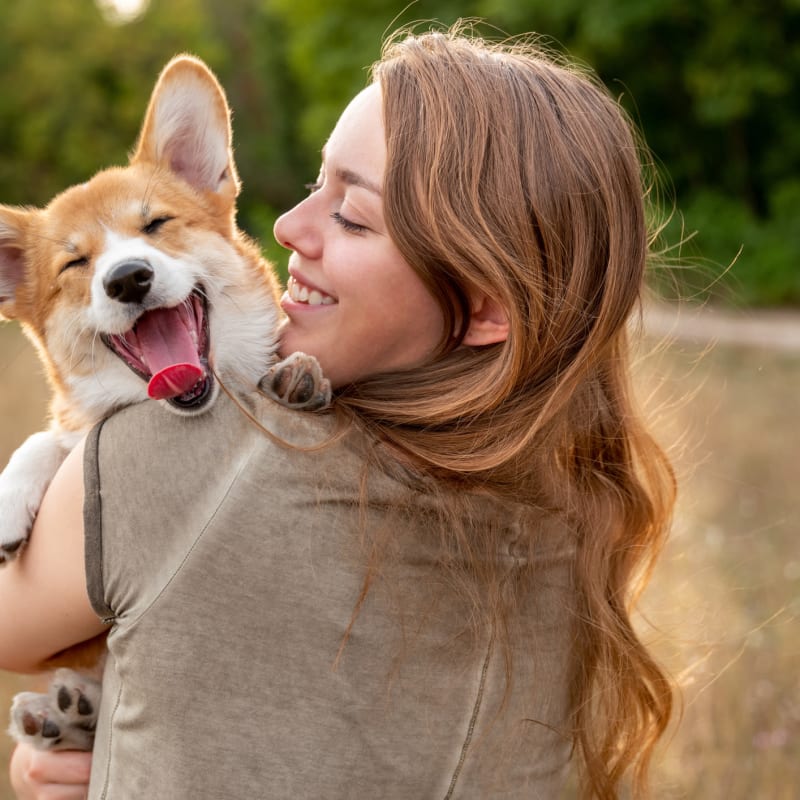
x,y
74,333
73,361
98,374
92,353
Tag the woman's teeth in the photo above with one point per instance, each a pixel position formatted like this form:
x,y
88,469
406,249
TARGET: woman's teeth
x,y
302,294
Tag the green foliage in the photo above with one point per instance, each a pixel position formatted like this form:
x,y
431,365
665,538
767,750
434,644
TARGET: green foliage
x,y
760,255
713,85
330,49
715,88
75,88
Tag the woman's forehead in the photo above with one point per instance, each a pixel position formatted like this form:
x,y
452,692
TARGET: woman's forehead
x,y
357,145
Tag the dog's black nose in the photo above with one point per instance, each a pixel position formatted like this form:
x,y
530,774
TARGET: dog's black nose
x,y
129,282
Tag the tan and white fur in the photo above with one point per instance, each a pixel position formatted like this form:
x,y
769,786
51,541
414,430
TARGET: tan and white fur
x,y
82,275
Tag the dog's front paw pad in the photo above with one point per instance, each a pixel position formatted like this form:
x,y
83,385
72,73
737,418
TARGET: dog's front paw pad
x,y
302,388
32,721
63,719
39,725
81,704
77,697
280,382
298,382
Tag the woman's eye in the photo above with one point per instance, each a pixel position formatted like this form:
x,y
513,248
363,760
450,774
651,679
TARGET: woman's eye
x,y
155,225
76,262
353,227
315,186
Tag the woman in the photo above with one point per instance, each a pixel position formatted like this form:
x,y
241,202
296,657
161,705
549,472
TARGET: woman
x,y
439,572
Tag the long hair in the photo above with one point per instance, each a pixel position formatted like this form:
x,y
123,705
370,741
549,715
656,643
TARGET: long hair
x,y
513,175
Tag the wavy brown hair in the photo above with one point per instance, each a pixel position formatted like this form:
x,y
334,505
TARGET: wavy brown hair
x,y
516,176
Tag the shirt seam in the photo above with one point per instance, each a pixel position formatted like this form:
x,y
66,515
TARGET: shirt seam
x,y
93,528
472,722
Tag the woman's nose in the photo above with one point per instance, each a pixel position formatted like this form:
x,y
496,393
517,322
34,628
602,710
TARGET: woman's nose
x,y
297,230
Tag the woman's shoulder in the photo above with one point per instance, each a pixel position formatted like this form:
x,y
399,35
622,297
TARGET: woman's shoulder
x,y
228,418
155,444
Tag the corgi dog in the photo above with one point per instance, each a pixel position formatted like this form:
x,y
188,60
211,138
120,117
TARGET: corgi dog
x,y
138,284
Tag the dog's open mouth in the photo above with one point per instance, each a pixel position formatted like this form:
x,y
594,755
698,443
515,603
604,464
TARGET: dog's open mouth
x,y
168,348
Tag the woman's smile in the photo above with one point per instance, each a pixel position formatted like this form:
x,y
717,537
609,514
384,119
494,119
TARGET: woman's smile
x,y
299,292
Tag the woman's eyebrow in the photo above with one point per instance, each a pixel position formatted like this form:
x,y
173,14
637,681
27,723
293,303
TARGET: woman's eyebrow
x,y
354,179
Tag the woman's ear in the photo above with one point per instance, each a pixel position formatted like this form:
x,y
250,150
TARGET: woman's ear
x,y
488,322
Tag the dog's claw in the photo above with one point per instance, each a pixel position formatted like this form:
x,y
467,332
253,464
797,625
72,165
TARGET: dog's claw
x,y
297,382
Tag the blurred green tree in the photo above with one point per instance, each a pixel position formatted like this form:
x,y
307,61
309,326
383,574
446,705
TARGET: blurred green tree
x,y
714,87
75,87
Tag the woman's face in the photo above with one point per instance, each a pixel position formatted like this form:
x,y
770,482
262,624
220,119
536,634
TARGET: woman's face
x,y
352,300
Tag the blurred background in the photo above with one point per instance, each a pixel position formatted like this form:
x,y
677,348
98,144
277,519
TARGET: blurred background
x,y
715,89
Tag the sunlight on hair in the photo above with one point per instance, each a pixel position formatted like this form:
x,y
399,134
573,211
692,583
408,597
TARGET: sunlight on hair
x,y
121,12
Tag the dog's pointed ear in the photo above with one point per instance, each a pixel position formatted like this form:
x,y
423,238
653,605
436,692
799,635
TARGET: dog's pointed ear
x,y
187,128
12,258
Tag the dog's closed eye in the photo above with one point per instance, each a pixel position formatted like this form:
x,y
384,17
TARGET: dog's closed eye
x,y
76,262
155,225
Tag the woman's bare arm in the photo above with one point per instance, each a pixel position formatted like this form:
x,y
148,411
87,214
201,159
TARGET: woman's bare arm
x,y
44,605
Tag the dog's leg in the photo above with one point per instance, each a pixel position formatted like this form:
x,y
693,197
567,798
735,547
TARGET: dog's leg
x,y
297,382
22,486
63,719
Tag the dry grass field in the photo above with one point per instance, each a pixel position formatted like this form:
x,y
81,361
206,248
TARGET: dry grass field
x,y
723,607
23,409
725,600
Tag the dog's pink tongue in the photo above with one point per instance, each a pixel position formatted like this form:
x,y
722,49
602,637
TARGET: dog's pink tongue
x,y
173,381
170,353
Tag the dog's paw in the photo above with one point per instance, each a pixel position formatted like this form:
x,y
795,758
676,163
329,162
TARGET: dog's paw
x,y
63,719
9,549
16,521
22,486
77,697
32,721
297,382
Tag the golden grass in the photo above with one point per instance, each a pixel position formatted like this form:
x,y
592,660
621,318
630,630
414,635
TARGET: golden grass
x,y
723,606
725,599
23,410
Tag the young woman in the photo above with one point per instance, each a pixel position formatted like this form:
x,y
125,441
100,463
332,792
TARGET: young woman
x,y
427,591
